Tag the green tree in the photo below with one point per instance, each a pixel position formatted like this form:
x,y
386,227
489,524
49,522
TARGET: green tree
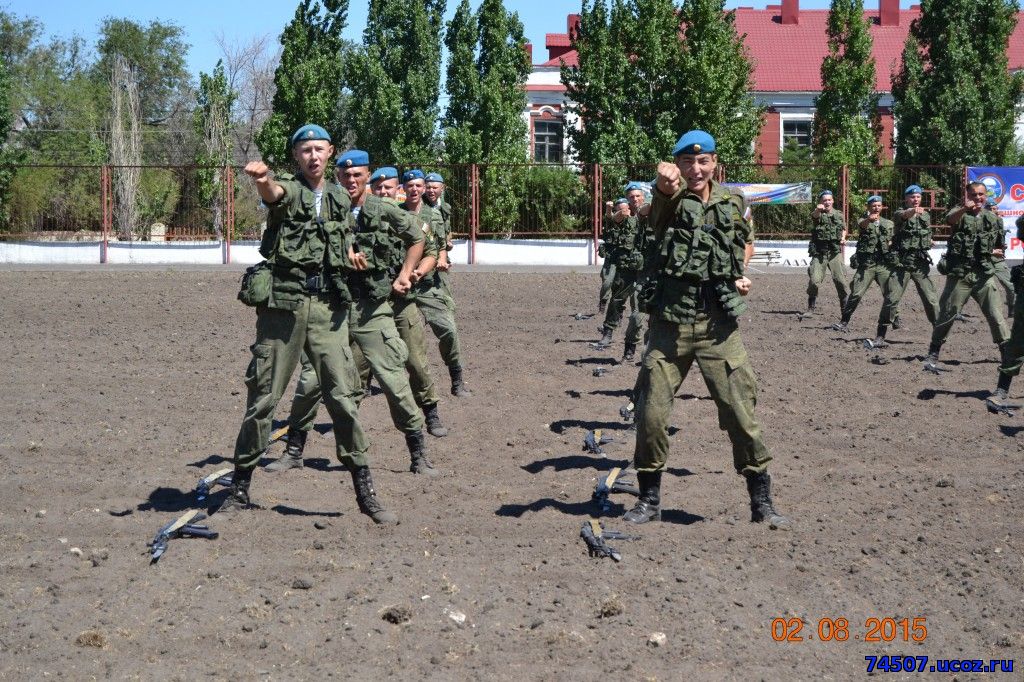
x,y
156,53
843,133
9,154
396,79
212,123
713,82
309,77
958,106
462,140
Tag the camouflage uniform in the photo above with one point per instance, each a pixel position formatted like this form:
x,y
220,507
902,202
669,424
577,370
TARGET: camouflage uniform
x,y
910,247
826,253
872,260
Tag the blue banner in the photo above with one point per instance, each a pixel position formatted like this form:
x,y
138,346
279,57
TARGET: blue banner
x,y
759,193
1005,186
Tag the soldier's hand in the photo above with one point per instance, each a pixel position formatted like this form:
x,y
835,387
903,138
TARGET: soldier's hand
x,y
743,285
669,178
358,260
644,210
415,276
820,207
608,204
257,170
443,267
918,210
969,204
401,285
997,253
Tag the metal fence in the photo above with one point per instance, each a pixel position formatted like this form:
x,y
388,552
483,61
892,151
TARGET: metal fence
x,y
489,201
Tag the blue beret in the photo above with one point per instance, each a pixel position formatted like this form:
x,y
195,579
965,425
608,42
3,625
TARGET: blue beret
x,y
824,193
434,177
309,132
414,174
874,197
635,185
913,189
354,158
620,200
385,173
694,142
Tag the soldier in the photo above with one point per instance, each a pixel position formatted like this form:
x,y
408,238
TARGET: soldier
x,y
1002,271
874,242
609,240
391,245
384,182
969,266
306,311
434,292
910,246
695,298
1012,350
628,259
828,237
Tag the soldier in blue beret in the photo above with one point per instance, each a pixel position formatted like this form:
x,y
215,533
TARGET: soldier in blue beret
x,y
825,248
1002,271
623,246
695,300
910,262
437,300
872,262
392,247
977,241
414,174
302,299
384,182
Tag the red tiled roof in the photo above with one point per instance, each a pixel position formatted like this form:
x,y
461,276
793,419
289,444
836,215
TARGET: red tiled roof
x,y
546,88
787,57
556,40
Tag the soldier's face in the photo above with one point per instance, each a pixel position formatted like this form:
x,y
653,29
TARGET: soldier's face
x,y
311,157
913,200
977,194
414,190
386,188
354,180
828,201
635,197
433,191
874,207
697,169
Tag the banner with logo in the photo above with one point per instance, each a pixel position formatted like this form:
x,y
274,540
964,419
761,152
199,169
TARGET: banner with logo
x,y
1005,186
793,193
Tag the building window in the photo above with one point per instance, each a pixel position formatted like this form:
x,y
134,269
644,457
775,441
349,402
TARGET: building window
x,y
796,132
547,141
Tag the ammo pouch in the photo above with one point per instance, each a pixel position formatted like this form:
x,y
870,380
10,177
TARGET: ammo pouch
x,y
855,260
256,284
633,260
731,301
943,265
602,250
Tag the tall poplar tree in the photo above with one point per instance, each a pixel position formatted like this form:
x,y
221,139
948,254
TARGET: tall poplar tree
x,y
843,130
463,142
212,123
8,153
309,77
958,106
396,79
713,82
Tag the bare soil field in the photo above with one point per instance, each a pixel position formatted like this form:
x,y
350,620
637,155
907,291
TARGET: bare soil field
x,y
122,388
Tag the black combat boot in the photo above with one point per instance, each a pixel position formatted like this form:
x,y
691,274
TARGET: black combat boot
x,y
606,337
879,340
366,497
434,426
931,363
629,352
647,507
238,493
999,401
842,325
812,303
459,389
418,462
292,457
762,510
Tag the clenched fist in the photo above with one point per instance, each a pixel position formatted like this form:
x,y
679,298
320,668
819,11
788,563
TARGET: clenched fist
x,y
669,178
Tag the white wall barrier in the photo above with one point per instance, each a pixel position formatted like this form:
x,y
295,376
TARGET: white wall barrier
x,y
566,252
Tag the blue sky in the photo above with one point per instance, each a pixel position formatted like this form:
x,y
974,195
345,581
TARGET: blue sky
x,y
240,20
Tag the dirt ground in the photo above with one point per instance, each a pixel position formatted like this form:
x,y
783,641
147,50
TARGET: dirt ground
x,y
123,387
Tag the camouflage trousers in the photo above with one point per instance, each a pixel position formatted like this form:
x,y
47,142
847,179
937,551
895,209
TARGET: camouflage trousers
x,y
820,265
897,286
715,344
438,308
375,345
982,288
862,281
318,330
623,292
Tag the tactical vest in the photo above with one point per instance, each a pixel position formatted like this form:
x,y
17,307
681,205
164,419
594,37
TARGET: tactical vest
x,y
436,241
970,247
308,254
913,239
383,250
700,257
826,233
626,252
873,243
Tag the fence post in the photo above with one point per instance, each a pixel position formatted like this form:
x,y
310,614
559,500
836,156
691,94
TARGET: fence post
x,y
105,210
845,174
597,212
229,210
474,209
